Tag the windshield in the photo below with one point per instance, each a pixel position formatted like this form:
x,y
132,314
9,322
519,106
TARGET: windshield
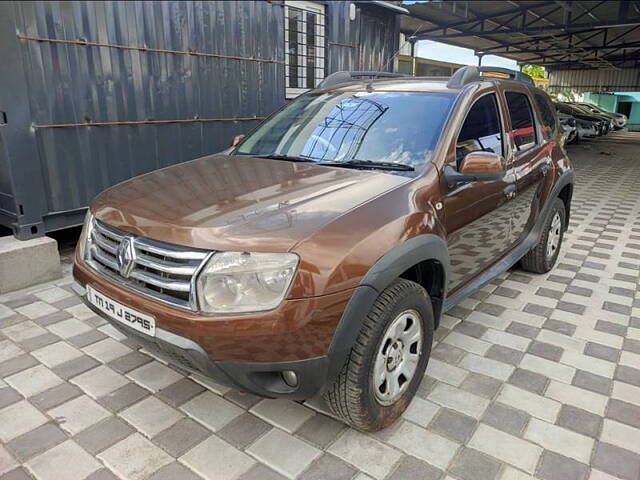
x,y
340,127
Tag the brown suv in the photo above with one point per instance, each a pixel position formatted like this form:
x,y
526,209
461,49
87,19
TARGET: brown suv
x,y
318,254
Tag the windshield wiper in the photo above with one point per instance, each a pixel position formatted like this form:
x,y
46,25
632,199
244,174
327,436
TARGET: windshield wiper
x,y
290,158
370,164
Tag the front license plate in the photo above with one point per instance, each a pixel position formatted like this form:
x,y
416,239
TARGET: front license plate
x,y
125,315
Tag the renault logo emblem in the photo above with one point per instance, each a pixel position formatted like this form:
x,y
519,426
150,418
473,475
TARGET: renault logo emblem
x,y
126,256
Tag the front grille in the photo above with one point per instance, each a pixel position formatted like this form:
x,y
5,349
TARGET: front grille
x,y
159,270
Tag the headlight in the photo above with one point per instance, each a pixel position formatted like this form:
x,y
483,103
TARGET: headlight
x,y
85,236
235,282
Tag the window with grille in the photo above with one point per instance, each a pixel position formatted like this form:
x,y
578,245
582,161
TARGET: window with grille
x,y
304,33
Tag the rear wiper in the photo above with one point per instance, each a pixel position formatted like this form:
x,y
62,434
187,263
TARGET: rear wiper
x,y
370,164
290,158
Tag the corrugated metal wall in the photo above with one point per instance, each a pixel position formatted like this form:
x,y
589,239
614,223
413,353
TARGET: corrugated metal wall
x,y
143,61
622,80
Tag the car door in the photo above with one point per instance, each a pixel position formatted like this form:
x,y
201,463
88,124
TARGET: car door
x,y
477,217
530,160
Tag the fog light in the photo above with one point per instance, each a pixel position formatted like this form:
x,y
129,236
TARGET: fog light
x,y
290,378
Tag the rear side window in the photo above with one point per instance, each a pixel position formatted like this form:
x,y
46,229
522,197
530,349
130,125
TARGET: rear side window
x,y
481,129
522,125
548,118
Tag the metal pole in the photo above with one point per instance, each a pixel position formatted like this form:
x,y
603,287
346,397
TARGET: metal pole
x,y
480,59
413,57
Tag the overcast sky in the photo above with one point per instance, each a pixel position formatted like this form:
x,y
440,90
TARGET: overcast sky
x,y
465,56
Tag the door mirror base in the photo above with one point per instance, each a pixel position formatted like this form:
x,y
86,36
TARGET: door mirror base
x,y
453,177
477,166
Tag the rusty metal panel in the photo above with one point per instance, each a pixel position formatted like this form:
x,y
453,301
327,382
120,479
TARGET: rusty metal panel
x,y
592,80
365,43
135,62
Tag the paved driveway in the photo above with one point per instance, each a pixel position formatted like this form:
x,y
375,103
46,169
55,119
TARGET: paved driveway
x,y
533,375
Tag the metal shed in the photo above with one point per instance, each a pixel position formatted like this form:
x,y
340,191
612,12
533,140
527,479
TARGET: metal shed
x,y
94,93
571,39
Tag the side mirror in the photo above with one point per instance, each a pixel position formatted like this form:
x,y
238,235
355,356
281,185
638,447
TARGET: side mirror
x,y
236,140
476,167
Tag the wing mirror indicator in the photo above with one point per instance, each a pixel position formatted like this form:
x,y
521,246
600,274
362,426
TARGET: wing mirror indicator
x,y
236,140
476,167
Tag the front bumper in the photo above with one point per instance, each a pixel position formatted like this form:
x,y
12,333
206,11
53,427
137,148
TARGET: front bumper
x,y
260,378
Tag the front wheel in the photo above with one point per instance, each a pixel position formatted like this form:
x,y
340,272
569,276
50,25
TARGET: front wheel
x,y
387,361
542,257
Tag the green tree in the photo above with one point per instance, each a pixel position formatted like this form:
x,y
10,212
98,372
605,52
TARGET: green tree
x,y
534,71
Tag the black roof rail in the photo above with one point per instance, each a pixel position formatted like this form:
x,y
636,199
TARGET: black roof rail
x,y
466,75
345,76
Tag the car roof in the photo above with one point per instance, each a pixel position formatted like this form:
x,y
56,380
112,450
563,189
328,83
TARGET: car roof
x,y
415,84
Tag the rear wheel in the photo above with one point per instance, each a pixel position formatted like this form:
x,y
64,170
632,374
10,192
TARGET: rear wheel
x,y
387,361
543,256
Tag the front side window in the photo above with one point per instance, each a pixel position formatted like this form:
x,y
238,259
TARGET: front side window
x,y
481,129
548,117
304,46
522,124
396,127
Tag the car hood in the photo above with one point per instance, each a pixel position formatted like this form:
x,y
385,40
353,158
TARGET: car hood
x,y
224,202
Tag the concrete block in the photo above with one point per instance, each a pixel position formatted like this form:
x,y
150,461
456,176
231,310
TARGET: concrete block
x,y
24,263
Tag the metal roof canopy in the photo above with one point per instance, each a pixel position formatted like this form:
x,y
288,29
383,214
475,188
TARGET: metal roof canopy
x,y
559,35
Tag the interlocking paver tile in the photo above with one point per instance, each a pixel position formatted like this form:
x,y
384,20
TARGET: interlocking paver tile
x,y
56,353
174,471
66,460
453,425
36,441
106,350
568,394
556,467
261,472
421,411
621,435
182,436
7,462
75,367
55,396
211,410
78,414
151,416
267,449
33,380
123,397
535,405
215,459
129,361
282,413
464,402
424,444
135,457
103,434
560,440
19,418
505,447
411,467
368,454
579,420
100,381
154,376
505,418
321,430
69,328
616,461
470,464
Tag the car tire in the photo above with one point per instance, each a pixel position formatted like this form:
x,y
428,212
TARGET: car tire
x,y
543,256
575,138
359,395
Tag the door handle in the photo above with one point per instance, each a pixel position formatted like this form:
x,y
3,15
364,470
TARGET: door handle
x,y
509,191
